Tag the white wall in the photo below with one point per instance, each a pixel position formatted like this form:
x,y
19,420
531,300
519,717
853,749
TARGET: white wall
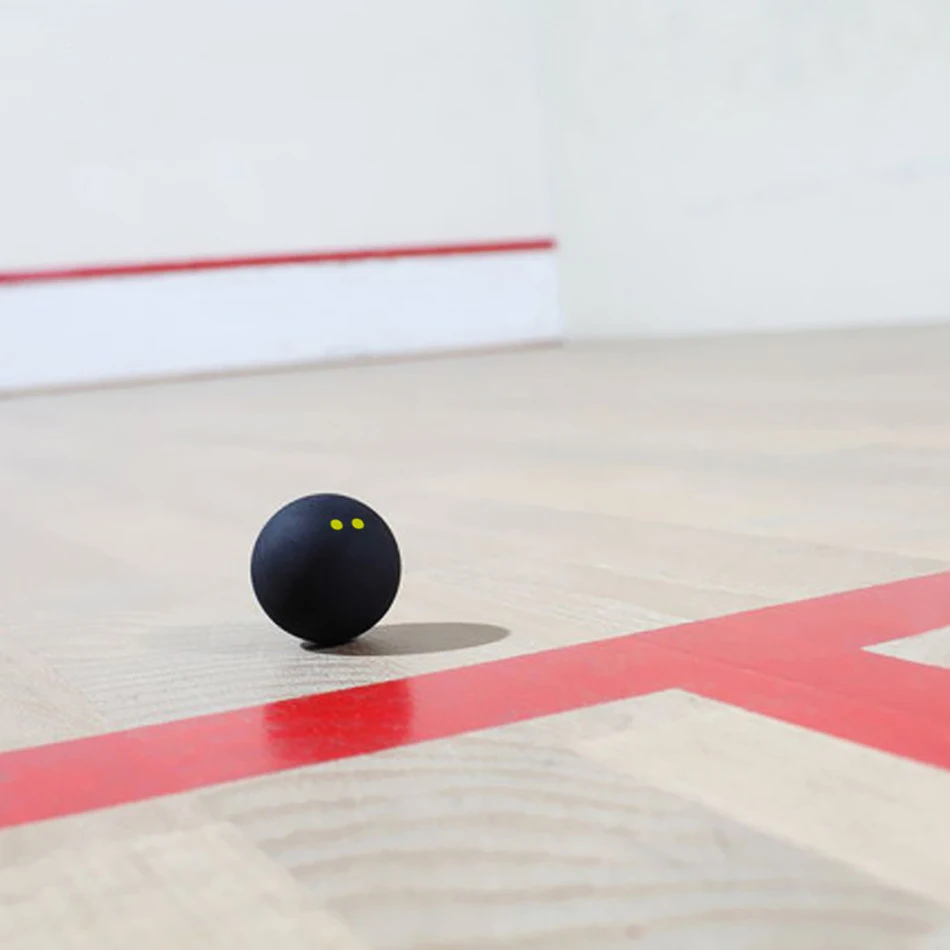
x,y
743,164
749,164
179,129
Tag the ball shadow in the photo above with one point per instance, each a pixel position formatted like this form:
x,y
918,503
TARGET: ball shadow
x,y
408,639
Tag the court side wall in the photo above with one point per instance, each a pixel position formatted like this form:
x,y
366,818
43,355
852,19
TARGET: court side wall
x,y
749,164
195,129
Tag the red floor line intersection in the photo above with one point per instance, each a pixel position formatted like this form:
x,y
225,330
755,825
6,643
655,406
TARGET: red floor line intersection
x,y
802,663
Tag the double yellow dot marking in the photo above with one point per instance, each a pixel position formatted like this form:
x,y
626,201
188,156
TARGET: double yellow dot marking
x,y
337,525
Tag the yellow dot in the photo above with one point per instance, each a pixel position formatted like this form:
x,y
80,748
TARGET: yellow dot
x,y
358,523
336,524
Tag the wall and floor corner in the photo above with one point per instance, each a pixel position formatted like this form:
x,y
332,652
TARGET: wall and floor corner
x,y
201,133
207,319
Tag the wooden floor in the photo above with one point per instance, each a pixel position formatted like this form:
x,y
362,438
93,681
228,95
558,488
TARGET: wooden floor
x,y
541,499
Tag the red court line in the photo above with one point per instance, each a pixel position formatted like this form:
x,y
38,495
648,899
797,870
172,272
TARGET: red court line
x,y
800,663
89,272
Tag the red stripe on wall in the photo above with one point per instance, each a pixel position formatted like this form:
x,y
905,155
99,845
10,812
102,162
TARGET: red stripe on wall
x,y
273,260
800,663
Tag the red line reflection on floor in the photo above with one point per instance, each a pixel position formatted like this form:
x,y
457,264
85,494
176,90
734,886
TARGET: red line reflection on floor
x,y
801,663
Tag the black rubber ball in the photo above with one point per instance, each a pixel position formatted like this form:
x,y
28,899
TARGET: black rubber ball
x,y
326,568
